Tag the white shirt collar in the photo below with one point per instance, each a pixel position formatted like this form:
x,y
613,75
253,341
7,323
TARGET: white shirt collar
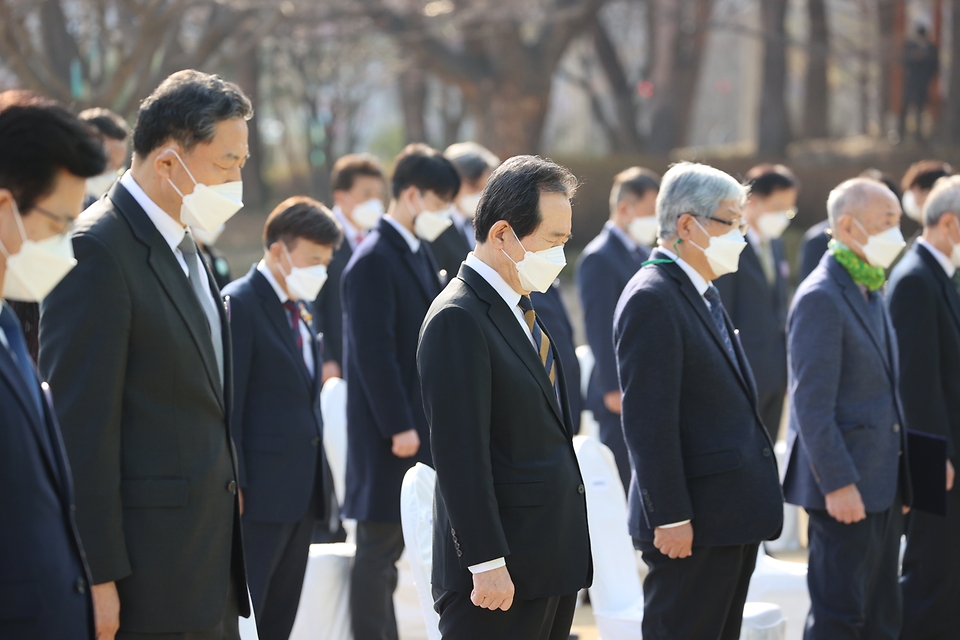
x,y
939,255
171,230
3,334
494,279
622,235
350,231
265,270
699,282
412,241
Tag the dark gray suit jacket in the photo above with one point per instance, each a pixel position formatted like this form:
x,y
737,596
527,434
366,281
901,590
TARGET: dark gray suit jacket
x,y
145,422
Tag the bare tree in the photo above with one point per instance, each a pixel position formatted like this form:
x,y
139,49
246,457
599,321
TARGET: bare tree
x,y
816,104
951,116
774,131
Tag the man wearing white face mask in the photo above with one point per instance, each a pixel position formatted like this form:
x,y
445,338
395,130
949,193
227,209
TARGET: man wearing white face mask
x,y
136,341
510,546
48,154
603,270
756,295
846,444
114,132
276,423
387,288
705,490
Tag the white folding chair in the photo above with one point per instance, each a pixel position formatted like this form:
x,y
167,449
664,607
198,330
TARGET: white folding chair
x,y
789,539
248,626
416,519
333,407
784,584
324,611
588,424
763,621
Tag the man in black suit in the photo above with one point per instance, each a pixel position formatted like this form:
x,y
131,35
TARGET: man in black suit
x,y
755,295
357,182
114,132
474,163
603,270
925,309
44,580
277,426
387,288
702,459
511,547
137,345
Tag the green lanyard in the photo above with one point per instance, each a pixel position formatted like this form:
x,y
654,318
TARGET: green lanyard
x,y
657,261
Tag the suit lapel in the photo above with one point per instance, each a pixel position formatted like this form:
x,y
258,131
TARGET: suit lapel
x,y
11,374
428,288
861,308
949,289
278,319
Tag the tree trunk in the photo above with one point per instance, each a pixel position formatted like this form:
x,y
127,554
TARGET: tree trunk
x,y
889,48
62,52
624,93
248,77
951,117
509,115
816,104
774,125
413,96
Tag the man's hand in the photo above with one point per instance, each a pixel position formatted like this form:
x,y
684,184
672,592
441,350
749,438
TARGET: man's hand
x,y
406,443
950,475
845,505
106,609
240,498
329,370
612,402
492,589
674,542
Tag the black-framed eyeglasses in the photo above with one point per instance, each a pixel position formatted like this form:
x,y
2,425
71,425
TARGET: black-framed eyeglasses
x,y
743,226
66,222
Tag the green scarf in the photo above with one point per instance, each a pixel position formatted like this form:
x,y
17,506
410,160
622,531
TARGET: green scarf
x,y
861,272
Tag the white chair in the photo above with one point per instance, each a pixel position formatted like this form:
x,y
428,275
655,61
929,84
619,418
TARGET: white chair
x,y
333,407
763,621
789,539
324,611
588,424
785,584
416,519
248,626
616,594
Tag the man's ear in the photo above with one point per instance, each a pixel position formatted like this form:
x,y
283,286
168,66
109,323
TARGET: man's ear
x,y
498,233
685,226
163,162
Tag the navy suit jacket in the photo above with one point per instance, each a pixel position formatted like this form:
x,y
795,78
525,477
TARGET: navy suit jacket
x,y
812,248
603,271
386,294
450,249
277,426
553,314
328,307
846,420
759,312
925,309
44,581
697,445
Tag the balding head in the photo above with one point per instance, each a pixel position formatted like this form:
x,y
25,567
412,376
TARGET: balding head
x,y
859,208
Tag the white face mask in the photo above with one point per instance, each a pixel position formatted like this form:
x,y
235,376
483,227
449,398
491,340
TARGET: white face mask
x,y
207,238
99,185
368,213
643,230
723,252
38,267
882,248
955,256
428,225
772,225
303,283
539,270
910,206
469,204
208,207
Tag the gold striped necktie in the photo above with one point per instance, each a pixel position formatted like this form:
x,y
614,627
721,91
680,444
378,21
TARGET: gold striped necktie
x,y
540,339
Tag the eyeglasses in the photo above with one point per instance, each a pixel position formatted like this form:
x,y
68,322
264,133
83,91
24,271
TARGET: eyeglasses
x,y
66,222
738,223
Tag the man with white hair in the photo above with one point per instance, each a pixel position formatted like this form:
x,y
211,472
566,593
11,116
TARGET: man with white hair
x,y
702,459
846,432
925,309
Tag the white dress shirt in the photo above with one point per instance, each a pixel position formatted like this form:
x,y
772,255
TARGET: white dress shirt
x,y
412,241
944,260
304,330
352,234
3,335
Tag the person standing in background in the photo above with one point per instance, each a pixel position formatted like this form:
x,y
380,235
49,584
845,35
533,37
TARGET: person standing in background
x,y
114,132
755,295
921,62
916,185
603,270
358,185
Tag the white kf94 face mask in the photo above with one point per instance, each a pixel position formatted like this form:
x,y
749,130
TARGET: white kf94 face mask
x,y
38,267
538,269
882,248
428,225
723,252
772,225
469,204
303,283
368,213
643,230
208,207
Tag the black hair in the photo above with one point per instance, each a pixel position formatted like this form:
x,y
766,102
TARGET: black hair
x,y
39,137
301,217
924,174
513,194
109,124
764,179
186,108
349,167
471,160
425,168
635,181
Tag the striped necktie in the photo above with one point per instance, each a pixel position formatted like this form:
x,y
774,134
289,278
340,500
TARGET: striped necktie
x,y
540,339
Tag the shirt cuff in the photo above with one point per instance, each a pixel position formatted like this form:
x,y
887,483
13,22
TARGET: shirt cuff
x,y
674,525
488,566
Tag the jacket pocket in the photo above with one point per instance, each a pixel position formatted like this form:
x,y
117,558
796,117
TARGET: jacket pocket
x,y
520,494
154,493
707,464
265,443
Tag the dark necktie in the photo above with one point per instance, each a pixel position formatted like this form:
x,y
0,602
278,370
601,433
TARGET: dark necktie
x,y
716,312
540,339
18,350
956,280
189,249
293,315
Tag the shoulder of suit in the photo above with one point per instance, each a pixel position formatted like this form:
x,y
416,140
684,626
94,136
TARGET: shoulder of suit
x,y
102,220
241,287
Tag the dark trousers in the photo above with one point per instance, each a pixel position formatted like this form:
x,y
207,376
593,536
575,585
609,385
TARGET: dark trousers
x,y
696,598
930,583
770,406
852,577
541,619
374,579
611,434
227,629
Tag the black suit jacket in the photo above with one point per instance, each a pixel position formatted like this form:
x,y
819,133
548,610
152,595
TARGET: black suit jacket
x,y
759,311
217,265
812,248
508,483
925,310
450,249
386,293
553,314
696,441
329,308
145,422
277,426
44,582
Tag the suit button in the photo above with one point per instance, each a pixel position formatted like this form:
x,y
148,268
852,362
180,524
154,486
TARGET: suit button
x,y
232,486
453,532
315,441
459,553
896,428
81,586
766,452
581,489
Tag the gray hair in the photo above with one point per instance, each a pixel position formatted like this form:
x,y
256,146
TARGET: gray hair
x,y
697,189
850,196
471,160
944,198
